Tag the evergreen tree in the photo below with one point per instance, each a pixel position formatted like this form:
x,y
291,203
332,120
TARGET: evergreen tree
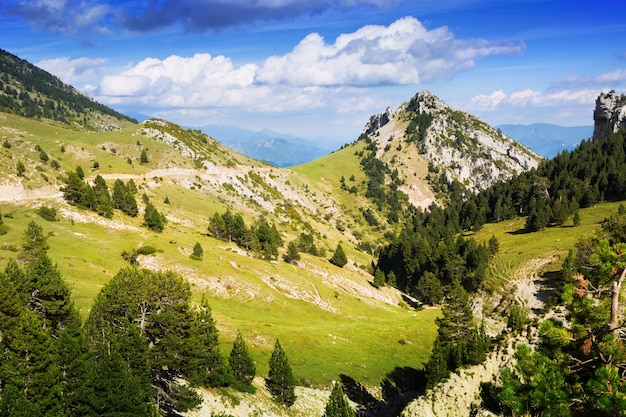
x,y
339,257
429,289
206,365
241,362
292,255
153,219
80,172
74,188
198,252
280,381
217,226
34,243
21,168
379,278
143,331
338,405
118,195
131,186
143,159
104,205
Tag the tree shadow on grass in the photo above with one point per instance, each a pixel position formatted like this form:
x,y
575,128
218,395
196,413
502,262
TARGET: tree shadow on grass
x,y
398,388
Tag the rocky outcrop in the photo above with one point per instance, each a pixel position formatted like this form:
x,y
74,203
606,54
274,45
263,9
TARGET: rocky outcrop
x,y
377,121
460,393
459,144
609,114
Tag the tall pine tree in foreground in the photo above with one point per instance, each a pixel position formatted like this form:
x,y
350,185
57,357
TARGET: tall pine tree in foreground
x,y
337,405
280,381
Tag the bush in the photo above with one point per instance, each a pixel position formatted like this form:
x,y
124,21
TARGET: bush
x,y
146,250
47,213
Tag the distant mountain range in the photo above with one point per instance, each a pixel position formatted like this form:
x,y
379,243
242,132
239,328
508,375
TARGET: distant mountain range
x,y
547,139
278,149
283,149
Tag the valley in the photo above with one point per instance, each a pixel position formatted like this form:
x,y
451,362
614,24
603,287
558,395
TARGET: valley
x,y
455,239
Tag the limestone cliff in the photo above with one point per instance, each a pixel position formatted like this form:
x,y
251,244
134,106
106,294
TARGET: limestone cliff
x,y
609,114
453,142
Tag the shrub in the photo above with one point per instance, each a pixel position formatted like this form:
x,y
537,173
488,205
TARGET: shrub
x,y
47,213
146,250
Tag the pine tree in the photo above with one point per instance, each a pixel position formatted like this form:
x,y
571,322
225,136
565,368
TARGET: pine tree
x,y
379,278
206,365
280,381
339,257
21,168
119,194
33,244
429,289
144,157
292,255
144,332
104,205
241,362
154,220
337,405
198,252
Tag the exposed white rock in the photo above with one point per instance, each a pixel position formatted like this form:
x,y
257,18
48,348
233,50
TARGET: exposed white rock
x,y
610,113
466,148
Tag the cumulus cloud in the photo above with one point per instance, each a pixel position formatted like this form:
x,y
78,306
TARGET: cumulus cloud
x,y
529,97
63,16
404,52
487,102
72,71
200,80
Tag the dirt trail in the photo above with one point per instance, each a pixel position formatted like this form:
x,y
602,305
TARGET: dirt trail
x,y
532,290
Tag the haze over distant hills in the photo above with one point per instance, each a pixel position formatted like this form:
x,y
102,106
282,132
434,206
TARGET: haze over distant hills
x,y
547,139
279,149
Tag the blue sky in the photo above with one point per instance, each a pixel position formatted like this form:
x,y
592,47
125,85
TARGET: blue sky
x,y
320,68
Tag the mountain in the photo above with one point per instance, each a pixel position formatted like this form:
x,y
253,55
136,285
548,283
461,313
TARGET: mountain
x,y
547,139
358,198
281,150
29,91
455,145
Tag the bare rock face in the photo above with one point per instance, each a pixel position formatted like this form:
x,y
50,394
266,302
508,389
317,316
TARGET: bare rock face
x,y
610,114
459,144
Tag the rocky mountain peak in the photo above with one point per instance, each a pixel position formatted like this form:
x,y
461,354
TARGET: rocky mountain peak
x,y
610,113
455,144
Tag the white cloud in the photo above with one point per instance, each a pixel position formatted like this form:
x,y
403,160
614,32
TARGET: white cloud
x,y
529,97
72,71
488,102
200,80
404,52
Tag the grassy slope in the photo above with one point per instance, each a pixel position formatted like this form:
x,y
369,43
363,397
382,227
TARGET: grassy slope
x,y
518,247
326,325
324,316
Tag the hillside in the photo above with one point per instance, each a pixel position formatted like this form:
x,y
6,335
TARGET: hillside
x,y
335,323
34,93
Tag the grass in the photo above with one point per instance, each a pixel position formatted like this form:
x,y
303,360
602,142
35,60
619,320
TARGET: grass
x,y
357,337
328,320
518,247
